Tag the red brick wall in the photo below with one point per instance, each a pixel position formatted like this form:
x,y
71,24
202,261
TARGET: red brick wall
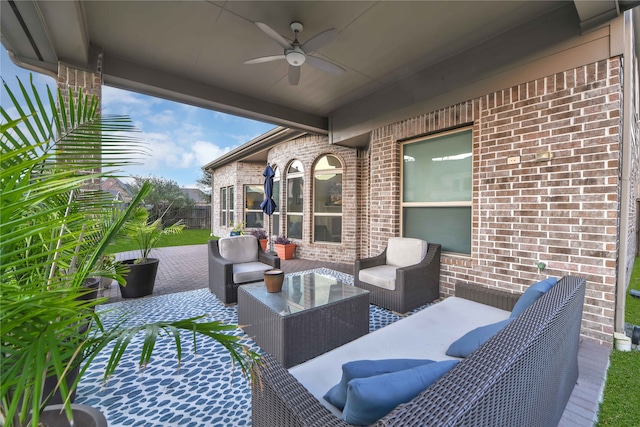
x,y
563,212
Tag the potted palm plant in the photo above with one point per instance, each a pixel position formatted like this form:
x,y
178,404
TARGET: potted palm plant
x,y
141,277
54,226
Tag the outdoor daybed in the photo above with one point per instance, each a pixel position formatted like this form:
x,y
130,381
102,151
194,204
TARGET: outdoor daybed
x,y
522,376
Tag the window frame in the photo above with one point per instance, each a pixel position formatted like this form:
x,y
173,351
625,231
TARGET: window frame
x,y
320,172
247,210
226,206
445,204
290,176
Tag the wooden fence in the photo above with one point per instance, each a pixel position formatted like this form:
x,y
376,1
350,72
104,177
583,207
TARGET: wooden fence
x,y
196,217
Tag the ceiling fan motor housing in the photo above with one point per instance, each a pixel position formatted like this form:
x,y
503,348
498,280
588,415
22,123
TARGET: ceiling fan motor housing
x,y
295,56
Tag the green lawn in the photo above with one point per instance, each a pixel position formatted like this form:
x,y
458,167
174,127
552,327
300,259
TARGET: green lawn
x,y
619,406
187,237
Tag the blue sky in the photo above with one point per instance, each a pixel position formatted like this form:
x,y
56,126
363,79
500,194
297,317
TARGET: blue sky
x,y
182,138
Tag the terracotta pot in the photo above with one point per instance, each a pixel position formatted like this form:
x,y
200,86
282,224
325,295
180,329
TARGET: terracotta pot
x,y
285,251
263,243
273,280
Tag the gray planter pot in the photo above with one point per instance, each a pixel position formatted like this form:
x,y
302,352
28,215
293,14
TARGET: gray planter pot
x,y
140,279
83,415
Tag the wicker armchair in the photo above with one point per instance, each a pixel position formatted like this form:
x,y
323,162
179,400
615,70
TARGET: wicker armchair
x,y
414,285
245,262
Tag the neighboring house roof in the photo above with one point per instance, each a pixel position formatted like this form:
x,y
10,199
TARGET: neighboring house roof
x,y
196,195
119,189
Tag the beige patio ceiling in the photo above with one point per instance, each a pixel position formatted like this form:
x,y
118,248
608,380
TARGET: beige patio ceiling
x,y
193,51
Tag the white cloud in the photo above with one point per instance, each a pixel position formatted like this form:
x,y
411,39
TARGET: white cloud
x,y
163,118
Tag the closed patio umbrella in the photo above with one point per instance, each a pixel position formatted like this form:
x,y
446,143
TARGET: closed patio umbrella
x,y
268,205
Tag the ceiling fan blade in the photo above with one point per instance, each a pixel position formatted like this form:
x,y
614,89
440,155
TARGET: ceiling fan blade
x,y
319,40
325,65
264,59
274,35
294,75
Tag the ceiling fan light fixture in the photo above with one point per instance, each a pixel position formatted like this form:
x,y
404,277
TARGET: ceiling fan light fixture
x,y
295,57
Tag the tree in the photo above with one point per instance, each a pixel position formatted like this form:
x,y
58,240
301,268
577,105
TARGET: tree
x,y
165,196
204,183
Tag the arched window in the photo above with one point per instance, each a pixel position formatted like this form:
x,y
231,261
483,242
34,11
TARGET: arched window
x,y
327,200
275,218
295,192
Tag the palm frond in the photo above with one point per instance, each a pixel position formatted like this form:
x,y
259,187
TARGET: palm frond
x,y
54,229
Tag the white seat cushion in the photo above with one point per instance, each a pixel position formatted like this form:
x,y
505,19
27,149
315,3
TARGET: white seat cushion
x,y
405,251
238,249
249,272
423,335
383,276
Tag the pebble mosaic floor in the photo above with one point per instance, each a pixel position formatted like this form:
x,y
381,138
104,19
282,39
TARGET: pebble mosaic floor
x,y
205,391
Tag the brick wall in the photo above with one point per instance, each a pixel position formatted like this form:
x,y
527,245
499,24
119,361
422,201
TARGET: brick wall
x,y
88,82
563,212
308,149
235,175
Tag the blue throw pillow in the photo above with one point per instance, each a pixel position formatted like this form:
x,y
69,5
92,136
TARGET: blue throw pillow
x,y
369,399
469,342
532,294
337,395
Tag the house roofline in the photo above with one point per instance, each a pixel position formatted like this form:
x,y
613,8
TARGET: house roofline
x,y
253,148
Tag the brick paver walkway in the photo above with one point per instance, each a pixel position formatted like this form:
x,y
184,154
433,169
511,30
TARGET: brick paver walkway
x,y
185,268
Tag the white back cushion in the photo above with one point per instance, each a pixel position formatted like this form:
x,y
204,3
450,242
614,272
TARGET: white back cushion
x,y
405,251
238,249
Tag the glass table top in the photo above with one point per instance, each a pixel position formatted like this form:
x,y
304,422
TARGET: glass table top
x,y
303,292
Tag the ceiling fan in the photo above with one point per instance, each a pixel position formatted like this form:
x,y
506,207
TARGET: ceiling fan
x,y
297,54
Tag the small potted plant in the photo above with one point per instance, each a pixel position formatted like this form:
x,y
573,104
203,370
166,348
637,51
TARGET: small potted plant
x,y
285,248
237,229
262,237
141,277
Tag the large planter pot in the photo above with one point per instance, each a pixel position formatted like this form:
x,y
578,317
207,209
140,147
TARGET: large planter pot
x,y
51,382
140,279
83,415
285,251
92,283
263,243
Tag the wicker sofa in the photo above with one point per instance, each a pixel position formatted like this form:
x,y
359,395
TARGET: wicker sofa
x,y
523,375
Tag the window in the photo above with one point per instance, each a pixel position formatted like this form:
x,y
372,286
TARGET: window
x,y
226,206
295,187
436,190
230,191
275,218
327,200
253,215
223,206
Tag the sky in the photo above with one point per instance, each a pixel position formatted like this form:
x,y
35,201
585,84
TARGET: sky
x,y
181,138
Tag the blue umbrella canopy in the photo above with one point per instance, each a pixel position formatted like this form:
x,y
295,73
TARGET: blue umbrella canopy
x,y
268,205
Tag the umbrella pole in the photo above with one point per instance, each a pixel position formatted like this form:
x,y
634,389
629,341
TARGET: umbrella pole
x,y
270,234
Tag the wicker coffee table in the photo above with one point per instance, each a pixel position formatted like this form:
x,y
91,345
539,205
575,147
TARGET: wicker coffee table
x,y
312,315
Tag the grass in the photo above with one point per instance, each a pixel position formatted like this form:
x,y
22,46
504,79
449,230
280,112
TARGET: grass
x,y
619,406
187,237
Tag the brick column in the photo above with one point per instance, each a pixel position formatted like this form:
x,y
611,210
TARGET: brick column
x,y
85,81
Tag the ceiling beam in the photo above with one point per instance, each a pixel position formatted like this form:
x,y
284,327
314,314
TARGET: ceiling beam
x,y
130,76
